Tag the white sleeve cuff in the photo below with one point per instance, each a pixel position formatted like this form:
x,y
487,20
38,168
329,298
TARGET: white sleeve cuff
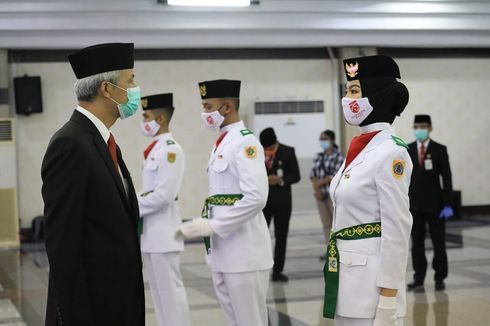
x,y
387,302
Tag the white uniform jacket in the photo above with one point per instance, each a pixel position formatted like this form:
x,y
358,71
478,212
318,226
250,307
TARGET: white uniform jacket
x,y
373,188
163,171
241,242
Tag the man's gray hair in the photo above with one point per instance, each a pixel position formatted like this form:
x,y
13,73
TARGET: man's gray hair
x,y
86,89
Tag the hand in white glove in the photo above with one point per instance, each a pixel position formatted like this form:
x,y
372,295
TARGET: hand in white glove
x,y
198,227
386,312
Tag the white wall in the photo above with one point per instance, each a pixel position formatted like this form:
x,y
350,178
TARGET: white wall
x,y
261,80
456,93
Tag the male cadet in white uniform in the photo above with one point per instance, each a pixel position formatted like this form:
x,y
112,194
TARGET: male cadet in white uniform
x,y
368,249
160,215
239,251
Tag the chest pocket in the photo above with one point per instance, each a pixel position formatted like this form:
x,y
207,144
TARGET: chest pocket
x,y
219,172
352,259
150,166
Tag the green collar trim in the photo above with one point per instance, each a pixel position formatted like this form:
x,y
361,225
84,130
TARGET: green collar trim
x,y
399,141
246,132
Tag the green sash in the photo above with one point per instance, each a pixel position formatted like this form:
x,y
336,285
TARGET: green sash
x,y
332,265
217,200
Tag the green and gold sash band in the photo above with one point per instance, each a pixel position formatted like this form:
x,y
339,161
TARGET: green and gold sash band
x,y
332,265
217,200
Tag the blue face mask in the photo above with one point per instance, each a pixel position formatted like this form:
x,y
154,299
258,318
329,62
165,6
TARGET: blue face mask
x,y
131,106
421,134
325,144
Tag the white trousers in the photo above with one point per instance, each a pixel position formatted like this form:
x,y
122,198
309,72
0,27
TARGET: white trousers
x,y
243,297
345,321
167,289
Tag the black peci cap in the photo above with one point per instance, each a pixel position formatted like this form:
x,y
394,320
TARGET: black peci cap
x,y
100,58
376,66
422,118
221,88
157,101
268,137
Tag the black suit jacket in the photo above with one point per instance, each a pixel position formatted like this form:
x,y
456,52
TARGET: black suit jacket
x,y
91,240
426,193
286,158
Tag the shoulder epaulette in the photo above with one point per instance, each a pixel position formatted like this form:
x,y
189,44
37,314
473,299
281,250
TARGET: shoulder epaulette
x,y
399,141
170,142
246,132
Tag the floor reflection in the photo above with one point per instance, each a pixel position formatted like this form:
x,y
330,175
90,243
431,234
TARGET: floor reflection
x,y
466,301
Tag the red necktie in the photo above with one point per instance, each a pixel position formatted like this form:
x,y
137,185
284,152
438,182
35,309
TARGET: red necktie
x,y
220,139
149,148
111,143
269,160
357,145
422,155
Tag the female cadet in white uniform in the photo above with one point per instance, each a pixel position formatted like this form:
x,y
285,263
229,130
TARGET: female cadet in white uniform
x,y
368,248
239,250
163,171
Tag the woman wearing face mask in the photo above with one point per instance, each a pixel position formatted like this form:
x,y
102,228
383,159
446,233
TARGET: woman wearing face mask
x,y
325,166
368,247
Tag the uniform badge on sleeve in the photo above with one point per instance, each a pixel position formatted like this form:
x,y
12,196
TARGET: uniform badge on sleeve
x,y
171,157
251,152
332,264
398,168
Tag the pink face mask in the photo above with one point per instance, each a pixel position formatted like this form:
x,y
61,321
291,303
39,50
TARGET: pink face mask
x,y
149,128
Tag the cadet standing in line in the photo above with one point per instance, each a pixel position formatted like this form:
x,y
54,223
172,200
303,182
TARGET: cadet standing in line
x,y
239,249
163,172
429,202
368,248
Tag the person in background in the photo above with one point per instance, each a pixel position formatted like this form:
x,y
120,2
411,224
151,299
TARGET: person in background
x,y
429,202
163,172
91,210
325,165
283,171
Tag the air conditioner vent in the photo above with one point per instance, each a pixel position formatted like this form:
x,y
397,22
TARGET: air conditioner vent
x,y
288,107
6,131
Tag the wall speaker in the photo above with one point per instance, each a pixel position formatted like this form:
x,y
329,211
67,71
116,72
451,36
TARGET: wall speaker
x,y
28,98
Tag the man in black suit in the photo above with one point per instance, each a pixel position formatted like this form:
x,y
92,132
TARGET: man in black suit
x,y
91,209
283,171
429,202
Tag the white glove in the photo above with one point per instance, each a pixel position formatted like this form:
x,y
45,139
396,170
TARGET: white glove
x,y
386,312
198,227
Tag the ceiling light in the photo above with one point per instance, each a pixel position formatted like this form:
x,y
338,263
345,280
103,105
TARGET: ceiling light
x,y
210,3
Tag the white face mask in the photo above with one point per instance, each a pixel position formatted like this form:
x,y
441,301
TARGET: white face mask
x,y
356,110
149,128
212,120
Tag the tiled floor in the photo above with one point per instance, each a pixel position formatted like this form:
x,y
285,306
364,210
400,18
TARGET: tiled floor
x,y
23,281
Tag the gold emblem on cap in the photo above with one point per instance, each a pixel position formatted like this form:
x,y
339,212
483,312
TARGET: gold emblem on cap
x,y
352,69
203,90
144,103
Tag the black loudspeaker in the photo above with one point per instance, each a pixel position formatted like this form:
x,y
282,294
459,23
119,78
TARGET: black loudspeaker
x,y
28,98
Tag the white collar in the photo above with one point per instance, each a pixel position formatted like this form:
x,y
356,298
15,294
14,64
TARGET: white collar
x,y
164,136
103,130
233,126
374,127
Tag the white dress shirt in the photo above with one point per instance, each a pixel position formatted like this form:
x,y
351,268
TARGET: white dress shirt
x,y
104,131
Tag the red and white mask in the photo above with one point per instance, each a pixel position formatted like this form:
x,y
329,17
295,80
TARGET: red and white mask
x,y
356,110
